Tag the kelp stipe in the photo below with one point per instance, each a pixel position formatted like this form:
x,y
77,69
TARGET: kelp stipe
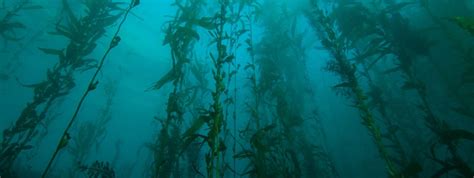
x,y
276,77
181,34
60,78
350,87
214,117
64,139
91,133
400,45
369,50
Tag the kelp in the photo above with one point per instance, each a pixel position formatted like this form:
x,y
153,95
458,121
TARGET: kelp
x,y
277,80
390,26
225,43
461,46
349,86
98,169
9,25
437,125
82,36
103,9
91,133
181,34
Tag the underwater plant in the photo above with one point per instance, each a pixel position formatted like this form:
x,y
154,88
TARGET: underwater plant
x,y
9,25
440,128
396,44
181,34
103,8
274,144
350,86
91,133
98,169
8,31
226,42
461,90
82,38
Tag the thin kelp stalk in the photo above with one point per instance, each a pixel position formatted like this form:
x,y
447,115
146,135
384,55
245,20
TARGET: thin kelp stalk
x,y
92,86
92,132
214,117
251,67
181,36
216,113
237,30
273,150
60,78
350,86
377,101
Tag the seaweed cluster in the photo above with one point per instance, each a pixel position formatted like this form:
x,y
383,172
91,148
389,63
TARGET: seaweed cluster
x,y
98,169
91,133
82,34
9,25
242,97
382,33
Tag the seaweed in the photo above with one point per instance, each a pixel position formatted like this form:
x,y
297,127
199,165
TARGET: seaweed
x,y
91,133
98,169
100,13
389,29
9,25
60,78
349,86
181,34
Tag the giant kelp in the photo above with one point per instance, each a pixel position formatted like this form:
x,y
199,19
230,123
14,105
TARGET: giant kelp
x,y
181,34
391,37
9,25
92,132
224,37
261,116
278,113
461,46
350,85
82,33
406,64
102,11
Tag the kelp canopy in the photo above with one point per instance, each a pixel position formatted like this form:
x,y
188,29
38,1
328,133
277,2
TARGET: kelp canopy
x,y
237,88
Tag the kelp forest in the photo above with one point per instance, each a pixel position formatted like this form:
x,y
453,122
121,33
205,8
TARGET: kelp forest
x,y
237,88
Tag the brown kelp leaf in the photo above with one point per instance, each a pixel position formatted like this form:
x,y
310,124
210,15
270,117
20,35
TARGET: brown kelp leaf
x,y
244,154
343,85
51,51
72,18
136,3
207,23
